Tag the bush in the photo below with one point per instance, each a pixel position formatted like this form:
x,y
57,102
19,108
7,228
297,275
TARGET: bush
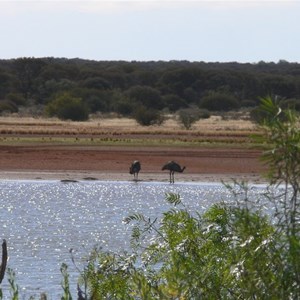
x,y
291,103
248,103
8,106
124,107
146,96
18,99
219,102
67,107
189,116
146,117
174,102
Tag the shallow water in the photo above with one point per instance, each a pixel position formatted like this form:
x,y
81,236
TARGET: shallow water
x,y
43,220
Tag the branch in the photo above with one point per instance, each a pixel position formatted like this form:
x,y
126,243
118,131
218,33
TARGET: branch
x,y
4,260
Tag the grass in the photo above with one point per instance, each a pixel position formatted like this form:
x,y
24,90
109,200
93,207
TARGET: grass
x,y
214,131
153,142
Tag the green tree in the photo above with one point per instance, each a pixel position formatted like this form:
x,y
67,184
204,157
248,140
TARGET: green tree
x,y
147,116
189,116
282,134
219,102
27,71
66,106
174,102
146,96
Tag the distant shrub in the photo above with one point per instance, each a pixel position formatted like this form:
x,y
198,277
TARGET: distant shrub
x,y
96,83
248,103
146,116
291,103
256,115
67,107
18,99
189,116
174,102
8,106
219,102
146,96
124,107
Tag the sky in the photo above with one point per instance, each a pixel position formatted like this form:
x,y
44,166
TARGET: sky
x,y
204,30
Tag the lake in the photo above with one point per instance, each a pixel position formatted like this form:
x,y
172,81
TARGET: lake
x,y
43,220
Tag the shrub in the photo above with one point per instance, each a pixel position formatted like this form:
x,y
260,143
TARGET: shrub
x,y
18,99
146,116
291,103
189,116
248,103
174,102
8,106
219,102
146,96
66,106
124,107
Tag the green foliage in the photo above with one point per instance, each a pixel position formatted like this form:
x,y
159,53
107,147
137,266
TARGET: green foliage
x,y
14,288
8,106
189,116
248,103
173,85
124,107
65,283
228,253
65,106
17,99
291,104
95,100
174,102
282,134
145,96
281,131
146,116
219,102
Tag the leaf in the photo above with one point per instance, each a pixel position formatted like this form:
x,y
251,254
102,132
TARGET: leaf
x,y
173,198
135,217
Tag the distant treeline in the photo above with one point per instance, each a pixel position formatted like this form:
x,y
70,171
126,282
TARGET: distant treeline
x,y
122,87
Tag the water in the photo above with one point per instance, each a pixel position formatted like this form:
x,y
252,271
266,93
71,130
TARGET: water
x,y
43,220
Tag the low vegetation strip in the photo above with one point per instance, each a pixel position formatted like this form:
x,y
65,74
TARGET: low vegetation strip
x,y
124,131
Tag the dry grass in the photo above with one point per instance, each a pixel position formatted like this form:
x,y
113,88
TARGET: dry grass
x,y
214,129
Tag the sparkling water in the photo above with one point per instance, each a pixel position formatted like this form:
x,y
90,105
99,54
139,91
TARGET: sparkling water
x,y
42,220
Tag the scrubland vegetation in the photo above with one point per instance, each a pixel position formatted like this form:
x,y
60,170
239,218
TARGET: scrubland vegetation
x,y
103,130
234,250
75,89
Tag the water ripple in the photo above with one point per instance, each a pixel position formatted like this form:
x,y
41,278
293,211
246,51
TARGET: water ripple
x,y
42,220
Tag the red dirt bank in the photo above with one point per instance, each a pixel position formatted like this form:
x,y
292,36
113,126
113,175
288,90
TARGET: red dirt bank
x,y
105,160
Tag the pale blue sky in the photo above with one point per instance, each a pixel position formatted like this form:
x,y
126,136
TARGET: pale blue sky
x,y
242,31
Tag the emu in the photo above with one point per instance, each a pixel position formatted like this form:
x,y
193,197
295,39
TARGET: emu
x,y
173,167
135,169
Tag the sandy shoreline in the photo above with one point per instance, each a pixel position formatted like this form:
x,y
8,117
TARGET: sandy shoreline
x,y
116,176
52,162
